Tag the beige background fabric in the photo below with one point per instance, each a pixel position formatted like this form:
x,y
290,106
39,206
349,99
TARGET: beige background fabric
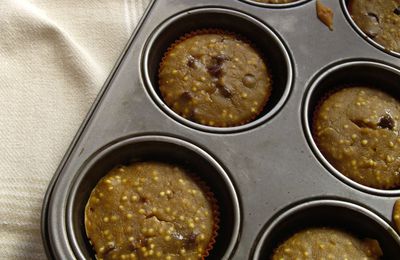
x,y
54,57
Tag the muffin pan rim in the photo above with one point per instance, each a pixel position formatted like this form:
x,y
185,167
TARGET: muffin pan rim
x,y
276,6
312,86
150,88
137,139
296,207
363,35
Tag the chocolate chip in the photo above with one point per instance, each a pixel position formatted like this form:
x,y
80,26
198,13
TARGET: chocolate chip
x,y
143,200
397,10
190,240
220,58
249,80
193,62
215,68
186,96
224,90
386,122
143,241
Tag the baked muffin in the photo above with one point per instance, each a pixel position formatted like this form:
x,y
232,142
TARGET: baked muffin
x,y
379,19
152,210
214,78
356,129
396,215
276,1
327,243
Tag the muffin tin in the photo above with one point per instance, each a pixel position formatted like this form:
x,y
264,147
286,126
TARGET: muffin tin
x,y
268,175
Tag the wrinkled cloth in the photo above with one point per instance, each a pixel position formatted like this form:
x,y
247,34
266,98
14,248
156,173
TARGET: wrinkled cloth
x,y
54,57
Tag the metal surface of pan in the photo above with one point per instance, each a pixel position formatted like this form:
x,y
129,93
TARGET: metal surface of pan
x,y
260,169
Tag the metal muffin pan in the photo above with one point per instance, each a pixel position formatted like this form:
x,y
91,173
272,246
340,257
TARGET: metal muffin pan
x,y
268,5
153,148
258,171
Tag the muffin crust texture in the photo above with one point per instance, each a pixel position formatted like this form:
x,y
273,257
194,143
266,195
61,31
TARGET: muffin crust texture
x,y
327,243
150,210
214,78
356,129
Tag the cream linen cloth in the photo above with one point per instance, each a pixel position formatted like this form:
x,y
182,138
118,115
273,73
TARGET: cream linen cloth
x,y
54,57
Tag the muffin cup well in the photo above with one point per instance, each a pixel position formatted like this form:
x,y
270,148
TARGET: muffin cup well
x,y
155,148
341,75
269,5
263,38
327,213
344,4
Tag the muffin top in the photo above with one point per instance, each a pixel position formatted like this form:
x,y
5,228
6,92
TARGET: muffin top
x,y
327,243
151,210
356,129
214,78
379,19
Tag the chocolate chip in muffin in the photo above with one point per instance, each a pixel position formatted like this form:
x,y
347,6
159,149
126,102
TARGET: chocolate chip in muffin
x,y
215,78
379,19
397,10
387,122
356,130
151,210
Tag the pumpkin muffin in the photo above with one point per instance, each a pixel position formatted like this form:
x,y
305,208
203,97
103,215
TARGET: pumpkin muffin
x,y
327,243
379,19
214,78
356,129
151,210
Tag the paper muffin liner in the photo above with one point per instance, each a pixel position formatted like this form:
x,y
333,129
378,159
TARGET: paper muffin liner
x,y
238,37
209,195
215,212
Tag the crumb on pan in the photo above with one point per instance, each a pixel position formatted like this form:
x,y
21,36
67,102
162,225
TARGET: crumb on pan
x,y
325,14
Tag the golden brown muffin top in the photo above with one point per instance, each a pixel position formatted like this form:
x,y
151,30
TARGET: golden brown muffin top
x,y
379,19
357,130
215,79
327,243
151,210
